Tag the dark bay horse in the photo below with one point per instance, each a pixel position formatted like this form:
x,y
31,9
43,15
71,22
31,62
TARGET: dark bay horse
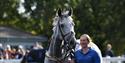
x,y
63,38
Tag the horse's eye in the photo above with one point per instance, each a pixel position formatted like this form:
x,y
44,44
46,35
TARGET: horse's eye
x,y
62,25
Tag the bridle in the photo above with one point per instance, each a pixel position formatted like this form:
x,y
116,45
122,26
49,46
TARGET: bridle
x,y
66,46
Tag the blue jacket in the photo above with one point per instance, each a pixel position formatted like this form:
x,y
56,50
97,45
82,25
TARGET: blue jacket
x,y
90,57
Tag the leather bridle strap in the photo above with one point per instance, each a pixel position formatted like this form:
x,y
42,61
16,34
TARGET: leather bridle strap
x,y
63,36
65,41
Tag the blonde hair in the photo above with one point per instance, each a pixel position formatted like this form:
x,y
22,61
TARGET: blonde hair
x,y
87,36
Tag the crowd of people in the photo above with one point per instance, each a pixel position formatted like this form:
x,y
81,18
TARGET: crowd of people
x,y
85,54
11,53
19,52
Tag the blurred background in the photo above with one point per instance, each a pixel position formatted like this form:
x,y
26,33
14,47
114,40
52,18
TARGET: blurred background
x,y
103,20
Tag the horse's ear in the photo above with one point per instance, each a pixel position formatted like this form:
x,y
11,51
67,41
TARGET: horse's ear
x,y
70,12
59,12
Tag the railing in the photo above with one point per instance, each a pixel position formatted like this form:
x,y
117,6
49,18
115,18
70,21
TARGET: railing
x,y
114,59
105,60
11,61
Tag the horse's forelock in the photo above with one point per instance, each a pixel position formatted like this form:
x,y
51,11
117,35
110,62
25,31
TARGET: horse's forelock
x,y
65,13
67,20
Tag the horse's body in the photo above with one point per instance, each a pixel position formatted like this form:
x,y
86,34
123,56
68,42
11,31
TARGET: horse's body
x,y
63,38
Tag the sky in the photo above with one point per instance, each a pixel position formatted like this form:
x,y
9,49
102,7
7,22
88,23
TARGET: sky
x,y
21,8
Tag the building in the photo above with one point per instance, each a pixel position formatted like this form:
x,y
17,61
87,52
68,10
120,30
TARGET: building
x,y
15,37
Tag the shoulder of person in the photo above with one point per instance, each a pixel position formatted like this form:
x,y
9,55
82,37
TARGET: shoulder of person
x,y
93,50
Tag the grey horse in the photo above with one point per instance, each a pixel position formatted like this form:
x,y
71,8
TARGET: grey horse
x,y
63,39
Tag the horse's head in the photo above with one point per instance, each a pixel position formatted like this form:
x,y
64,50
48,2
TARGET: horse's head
x,y
63,35
63,22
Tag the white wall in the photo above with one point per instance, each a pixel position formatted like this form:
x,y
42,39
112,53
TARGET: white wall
x,y
105,60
